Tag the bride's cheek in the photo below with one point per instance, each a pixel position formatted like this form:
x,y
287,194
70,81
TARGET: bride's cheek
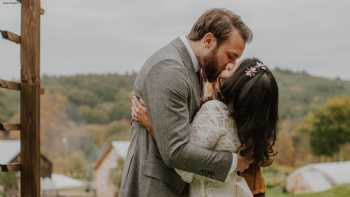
x,y
225,74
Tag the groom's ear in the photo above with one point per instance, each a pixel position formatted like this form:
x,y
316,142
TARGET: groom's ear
x,y
209,41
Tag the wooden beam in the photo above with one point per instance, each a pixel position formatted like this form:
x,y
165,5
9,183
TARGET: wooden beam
x,y
9,127
13,167
11,36
30,98
10,85
14,86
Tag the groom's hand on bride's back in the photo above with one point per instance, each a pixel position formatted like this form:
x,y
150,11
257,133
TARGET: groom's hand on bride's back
x,y
243,163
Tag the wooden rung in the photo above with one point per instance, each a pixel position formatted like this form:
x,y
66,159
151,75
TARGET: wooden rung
x,y
11,36
14,167
9,127
10,85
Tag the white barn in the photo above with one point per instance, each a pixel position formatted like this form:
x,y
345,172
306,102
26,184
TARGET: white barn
x,y
318,177
107,162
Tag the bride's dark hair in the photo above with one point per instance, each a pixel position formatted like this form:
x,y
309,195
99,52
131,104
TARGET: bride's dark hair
x,y
251,95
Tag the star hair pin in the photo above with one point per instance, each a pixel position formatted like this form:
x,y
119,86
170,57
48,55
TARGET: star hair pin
x,y
251,71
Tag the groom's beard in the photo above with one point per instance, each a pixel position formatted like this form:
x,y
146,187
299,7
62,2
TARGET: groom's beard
x,y
211,67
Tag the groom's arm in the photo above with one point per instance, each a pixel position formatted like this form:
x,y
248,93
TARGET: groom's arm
x,y
167,93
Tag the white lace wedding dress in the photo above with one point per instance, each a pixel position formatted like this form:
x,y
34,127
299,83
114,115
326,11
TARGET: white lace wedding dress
x,y
214,129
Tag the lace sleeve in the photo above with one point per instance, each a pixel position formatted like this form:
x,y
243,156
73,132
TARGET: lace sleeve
x,y
208,127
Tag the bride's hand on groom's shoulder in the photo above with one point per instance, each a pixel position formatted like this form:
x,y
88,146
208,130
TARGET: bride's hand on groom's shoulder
x,y
140,114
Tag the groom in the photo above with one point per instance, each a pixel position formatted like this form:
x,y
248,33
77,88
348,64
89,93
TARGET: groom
x,y
170,83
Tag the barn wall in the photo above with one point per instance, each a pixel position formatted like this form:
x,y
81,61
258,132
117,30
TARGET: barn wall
x,y
104,187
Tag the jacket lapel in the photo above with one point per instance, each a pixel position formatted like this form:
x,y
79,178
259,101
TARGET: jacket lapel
x,y
187,61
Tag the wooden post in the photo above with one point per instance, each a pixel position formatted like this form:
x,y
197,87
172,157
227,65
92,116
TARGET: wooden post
x,y
30,98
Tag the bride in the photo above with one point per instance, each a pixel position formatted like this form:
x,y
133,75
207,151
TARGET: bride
x,y
242,119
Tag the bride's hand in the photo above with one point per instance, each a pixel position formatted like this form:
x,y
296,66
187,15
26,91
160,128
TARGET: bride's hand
x,y
140,114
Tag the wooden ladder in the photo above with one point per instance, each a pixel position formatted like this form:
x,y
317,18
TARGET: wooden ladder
x,y
30,91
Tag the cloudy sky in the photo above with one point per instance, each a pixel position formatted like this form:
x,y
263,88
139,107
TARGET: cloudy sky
x,y
99,36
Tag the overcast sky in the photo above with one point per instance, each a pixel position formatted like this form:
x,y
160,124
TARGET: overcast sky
x,y
99,36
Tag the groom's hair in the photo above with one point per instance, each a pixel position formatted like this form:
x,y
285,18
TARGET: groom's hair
x,y
219,22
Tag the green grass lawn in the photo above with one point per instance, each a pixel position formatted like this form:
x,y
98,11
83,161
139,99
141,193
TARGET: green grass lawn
x,y
339,191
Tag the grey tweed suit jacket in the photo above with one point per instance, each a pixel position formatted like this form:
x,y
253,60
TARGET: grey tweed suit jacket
x,y
170,87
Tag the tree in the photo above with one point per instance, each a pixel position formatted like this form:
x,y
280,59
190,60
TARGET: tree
x,y
329,127
8,181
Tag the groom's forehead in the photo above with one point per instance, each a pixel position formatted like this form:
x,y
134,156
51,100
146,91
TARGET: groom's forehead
x,y
234,42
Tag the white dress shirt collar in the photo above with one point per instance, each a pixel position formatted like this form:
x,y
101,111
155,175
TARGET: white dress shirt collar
x,y
185,40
